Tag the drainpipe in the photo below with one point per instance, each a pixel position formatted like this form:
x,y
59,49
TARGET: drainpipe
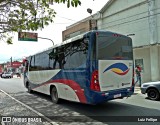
x,y
154,57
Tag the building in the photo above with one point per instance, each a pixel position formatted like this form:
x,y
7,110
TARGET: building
x,y
1,68
79,28
141,18
15,67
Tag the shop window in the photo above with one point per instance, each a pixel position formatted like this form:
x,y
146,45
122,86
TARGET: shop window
x,y
140,63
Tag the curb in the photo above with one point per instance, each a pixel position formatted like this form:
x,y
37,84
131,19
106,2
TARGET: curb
x,y
137,90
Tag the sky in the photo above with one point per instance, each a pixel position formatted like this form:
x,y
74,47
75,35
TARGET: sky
x,y
64,17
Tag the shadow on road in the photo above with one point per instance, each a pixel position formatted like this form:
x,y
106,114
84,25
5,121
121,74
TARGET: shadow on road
x,y
43,104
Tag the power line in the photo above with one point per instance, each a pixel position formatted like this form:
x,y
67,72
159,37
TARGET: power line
x,y
61,23
66,18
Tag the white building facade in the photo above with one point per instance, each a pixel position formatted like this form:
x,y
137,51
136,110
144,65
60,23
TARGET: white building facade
x,y
141,18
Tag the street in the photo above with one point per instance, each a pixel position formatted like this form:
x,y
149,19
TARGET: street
x,y
13,85
137,105
84,62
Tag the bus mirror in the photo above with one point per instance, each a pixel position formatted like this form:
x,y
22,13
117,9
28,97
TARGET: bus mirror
x,y
26,63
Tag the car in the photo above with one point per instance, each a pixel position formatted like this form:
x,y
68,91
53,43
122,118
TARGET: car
x,y
1,74
7,75
152,89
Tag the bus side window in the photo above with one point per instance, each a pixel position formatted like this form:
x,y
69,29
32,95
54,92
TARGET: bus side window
x,y
32,63
61,59
85,46
76,54
57,58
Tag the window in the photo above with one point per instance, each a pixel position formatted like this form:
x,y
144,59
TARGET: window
x,y
32,63
41,61
76,54
139,62
110,47
71,55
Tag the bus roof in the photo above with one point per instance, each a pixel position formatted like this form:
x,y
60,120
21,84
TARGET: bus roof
x,y
63,43
81,36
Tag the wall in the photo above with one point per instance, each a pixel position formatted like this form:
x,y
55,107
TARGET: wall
x,y
159,58
131,17
119,5
157,10
77,29
144,53
130,20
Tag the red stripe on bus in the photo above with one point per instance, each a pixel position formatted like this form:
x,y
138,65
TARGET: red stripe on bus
x,y
74,86
123,73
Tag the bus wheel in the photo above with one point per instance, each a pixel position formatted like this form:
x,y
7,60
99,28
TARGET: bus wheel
x,y
54,95
29,88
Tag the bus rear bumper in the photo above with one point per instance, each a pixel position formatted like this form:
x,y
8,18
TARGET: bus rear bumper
x,y
100,97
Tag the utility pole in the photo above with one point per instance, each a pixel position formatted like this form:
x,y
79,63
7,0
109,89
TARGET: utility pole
x,y
11,61
11,65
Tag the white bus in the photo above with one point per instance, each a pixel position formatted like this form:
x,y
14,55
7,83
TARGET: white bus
x,y
91,68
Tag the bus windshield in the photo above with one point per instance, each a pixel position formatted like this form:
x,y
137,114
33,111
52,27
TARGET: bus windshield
x,y
112,47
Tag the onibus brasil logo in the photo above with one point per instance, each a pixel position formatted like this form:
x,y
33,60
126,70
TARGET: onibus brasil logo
x,y
118,68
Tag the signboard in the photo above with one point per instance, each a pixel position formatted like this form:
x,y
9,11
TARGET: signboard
x,y
1,69
27,36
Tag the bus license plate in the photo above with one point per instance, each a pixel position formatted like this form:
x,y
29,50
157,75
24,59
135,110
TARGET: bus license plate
x,y
118,95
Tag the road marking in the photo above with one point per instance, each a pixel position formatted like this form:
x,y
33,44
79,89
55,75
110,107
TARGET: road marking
x,y
38,113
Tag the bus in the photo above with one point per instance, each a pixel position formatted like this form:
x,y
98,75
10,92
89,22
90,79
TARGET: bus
x,y
91,68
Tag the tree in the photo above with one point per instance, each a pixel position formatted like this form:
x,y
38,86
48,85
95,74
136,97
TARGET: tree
x,y
20,15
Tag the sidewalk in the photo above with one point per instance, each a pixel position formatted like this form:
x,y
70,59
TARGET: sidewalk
x,y
13,112
137,90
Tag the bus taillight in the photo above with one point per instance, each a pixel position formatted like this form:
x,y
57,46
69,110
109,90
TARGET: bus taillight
x,y
94,81
133,78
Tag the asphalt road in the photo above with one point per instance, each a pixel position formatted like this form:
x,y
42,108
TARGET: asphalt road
x,y
13,85
137,105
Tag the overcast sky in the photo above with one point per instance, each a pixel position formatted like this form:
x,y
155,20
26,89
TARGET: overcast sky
x,y
64,17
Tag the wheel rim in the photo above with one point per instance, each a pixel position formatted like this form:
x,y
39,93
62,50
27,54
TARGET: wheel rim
x,y
153,94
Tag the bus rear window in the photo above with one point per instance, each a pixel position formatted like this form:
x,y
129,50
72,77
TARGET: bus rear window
x,y
110,48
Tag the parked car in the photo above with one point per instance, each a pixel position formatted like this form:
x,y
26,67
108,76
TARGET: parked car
x,y
1,74
7,75
152,89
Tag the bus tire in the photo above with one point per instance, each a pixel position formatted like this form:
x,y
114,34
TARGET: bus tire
x,y
54,95
29,88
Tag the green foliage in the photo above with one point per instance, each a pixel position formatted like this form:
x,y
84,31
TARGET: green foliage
x,y
28,14
9,40
74,3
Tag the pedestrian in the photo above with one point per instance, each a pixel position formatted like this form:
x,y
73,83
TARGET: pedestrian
x,y
138,74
